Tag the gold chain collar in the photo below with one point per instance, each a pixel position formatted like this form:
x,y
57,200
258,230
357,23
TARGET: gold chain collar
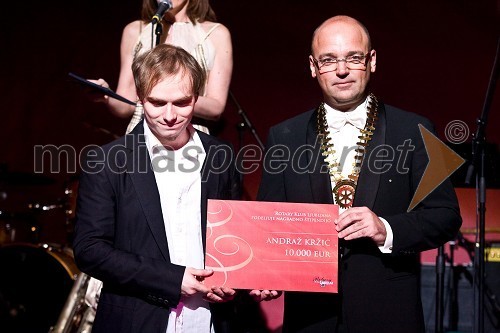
x,y
345,189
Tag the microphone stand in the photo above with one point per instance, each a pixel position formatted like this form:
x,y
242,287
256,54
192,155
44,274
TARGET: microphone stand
x,y
440,268
158,32
452,289
245,123
478,166
163,7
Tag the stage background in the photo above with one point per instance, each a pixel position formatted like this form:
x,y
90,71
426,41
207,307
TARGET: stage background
x,y
433,58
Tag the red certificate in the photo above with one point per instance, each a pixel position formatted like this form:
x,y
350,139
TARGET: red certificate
x,y
272,245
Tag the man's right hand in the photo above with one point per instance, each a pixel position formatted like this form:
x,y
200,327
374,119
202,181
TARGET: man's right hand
x,y
192,281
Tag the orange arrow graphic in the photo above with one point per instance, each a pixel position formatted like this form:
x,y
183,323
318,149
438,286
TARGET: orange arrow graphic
x,y
443,161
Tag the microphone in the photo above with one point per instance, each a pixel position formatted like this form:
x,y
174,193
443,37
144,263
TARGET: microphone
x,y
163,7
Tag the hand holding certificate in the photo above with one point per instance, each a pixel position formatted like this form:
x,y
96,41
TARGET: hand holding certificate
x,y
272,245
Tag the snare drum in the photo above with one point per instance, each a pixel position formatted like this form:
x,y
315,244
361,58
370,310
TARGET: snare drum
x,y
34,285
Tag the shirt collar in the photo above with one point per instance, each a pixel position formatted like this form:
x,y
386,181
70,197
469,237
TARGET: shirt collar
x,y
337,119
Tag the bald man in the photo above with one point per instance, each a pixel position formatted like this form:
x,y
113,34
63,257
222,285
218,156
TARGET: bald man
x,y
368,158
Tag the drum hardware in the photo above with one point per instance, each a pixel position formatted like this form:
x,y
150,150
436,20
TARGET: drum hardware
x,y
69,209
16,227
67,202
38,206
70,194
11,232
77,316
34,288
60,228
42,277
51,220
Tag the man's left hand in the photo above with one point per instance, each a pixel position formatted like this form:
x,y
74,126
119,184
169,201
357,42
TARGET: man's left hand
x,y
358,222
264,295
220,294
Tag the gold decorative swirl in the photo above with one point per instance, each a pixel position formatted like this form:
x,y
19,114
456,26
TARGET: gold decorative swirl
x,y
218,209
236,250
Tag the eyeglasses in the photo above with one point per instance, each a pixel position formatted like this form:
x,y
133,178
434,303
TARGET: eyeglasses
x,y
328,64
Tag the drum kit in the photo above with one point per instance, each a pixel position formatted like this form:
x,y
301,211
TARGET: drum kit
x,y
38,268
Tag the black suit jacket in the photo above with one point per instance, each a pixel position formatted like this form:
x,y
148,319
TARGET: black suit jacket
x,y
120,235
378,292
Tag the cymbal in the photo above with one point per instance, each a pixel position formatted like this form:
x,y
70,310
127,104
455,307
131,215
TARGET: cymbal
x,y
10,178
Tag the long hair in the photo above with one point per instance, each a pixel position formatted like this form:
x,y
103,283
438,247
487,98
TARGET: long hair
x,y
197,10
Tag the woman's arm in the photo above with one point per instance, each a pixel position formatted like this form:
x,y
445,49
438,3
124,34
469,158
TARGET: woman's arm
x,y
213,103
126,86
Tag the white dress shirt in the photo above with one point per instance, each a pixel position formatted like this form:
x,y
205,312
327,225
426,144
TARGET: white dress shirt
x,y
177,174
344,128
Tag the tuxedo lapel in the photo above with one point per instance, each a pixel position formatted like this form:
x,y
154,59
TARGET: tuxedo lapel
x,y
369,181
209,183
321,187
143,178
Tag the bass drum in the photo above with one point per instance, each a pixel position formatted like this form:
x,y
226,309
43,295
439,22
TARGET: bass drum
x,y
34,284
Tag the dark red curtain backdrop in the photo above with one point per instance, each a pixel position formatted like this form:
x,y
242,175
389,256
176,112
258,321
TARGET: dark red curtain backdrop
x,y
434,58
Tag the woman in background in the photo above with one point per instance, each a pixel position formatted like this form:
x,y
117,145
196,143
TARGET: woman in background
x,y
190,24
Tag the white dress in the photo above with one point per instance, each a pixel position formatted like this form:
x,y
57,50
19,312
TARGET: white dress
x,y
192,38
